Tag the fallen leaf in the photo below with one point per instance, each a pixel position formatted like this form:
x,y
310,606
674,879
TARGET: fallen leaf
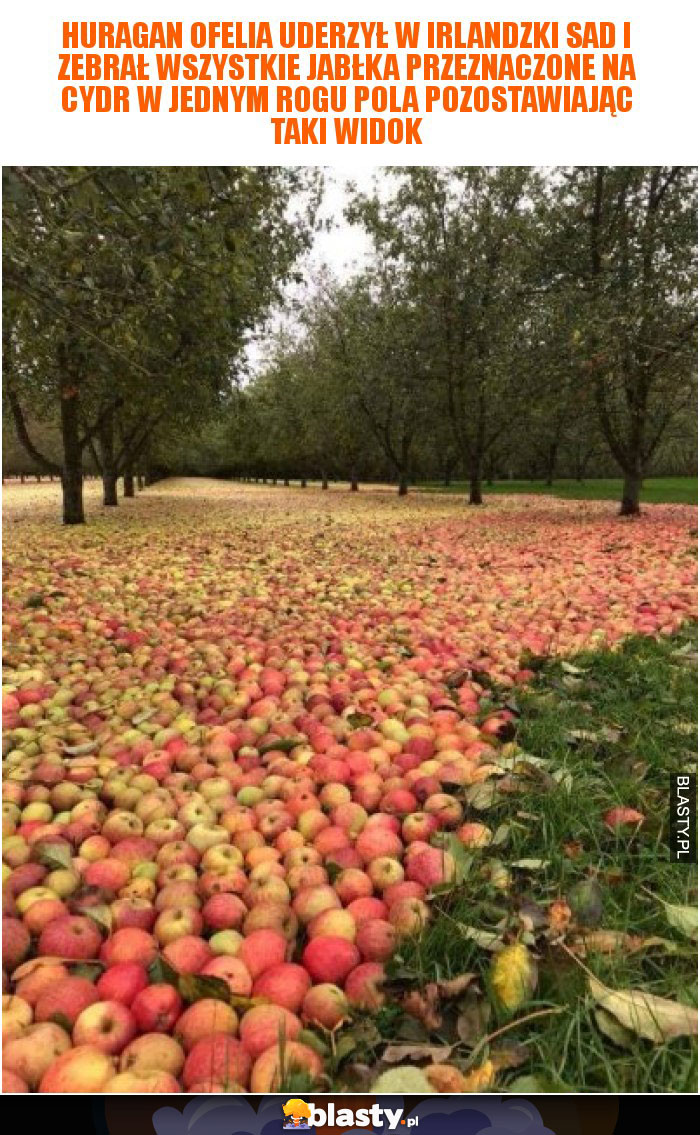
x,y
657,1019
513,977
682,918
559,916
485,939
479,1079
434,1052
445,1078
612,1029
622,817
403,1081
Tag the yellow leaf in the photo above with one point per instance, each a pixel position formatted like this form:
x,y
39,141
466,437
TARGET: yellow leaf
x,y
655,1018
513,977
480,1079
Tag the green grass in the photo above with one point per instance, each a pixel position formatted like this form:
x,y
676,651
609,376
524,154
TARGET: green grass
x,y
646,693
657,490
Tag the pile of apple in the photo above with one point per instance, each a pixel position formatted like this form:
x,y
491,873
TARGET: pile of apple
x,y
236,729
285,853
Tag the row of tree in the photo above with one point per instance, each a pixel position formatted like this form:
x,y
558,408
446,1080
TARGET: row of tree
x,y
128,296
512,321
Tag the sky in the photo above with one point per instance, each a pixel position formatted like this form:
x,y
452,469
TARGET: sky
x,y
343,248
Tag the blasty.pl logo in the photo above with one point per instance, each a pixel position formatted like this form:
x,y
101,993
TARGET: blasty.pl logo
x,y
301,1116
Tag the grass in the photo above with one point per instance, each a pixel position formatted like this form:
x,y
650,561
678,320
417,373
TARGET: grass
x,y
646,694
657,490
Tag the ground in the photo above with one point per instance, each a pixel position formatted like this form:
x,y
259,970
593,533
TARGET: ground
x,y
656,490
380,620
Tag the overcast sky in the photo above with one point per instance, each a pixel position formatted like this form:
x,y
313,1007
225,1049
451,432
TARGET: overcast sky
x,y
343,248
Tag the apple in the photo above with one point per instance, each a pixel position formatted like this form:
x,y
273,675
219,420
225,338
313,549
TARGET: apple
x,y
66,1000
129,944
17,1015
122,982
34,977
285,984
333,922
176,922
106,1025
138,1083
362,986
31,1054
156,1008
474,835
409,916
325,1005
272,916
84,1069
384,872
13,1083
133,913
314,900
153,1052
204,1018
221,1057
431,867
224,911
376,842
262,949
266,1075
16,942
231,970
188,954
107,874
330,959
71,936
262,1026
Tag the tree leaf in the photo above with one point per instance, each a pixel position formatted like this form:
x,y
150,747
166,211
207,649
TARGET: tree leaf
x,y
433,1052
195,987
404,1081
283,744
682,918
485,939
161,972
612,1029
359,720
54,856
655,1018
513,977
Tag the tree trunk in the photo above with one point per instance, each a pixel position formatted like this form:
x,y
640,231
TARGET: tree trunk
x,y
324,480
109,470
302,483
72,474
631,489
129,484
139,480
286,482
403,484
354,485
551,463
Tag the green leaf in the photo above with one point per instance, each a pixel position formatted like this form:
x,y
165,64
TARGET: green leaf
x,y
195,987
54,856
90,970
359,720
282,744
62,1020
161,972
682,918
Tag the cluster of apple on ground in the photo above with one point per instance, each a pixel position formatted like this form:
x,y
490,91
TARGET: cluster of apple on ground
x,y
231,740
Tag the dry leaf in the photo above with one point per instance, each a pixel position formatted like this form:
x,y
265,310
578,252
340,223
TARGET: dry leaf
x,y
655,1018
395,1053
513,977
480,1079
622,817
683,918
613,1030
559,916
445,1078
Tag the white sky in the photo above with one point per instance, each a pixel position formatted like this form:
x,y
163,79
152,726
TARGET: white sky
x,y
344,248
